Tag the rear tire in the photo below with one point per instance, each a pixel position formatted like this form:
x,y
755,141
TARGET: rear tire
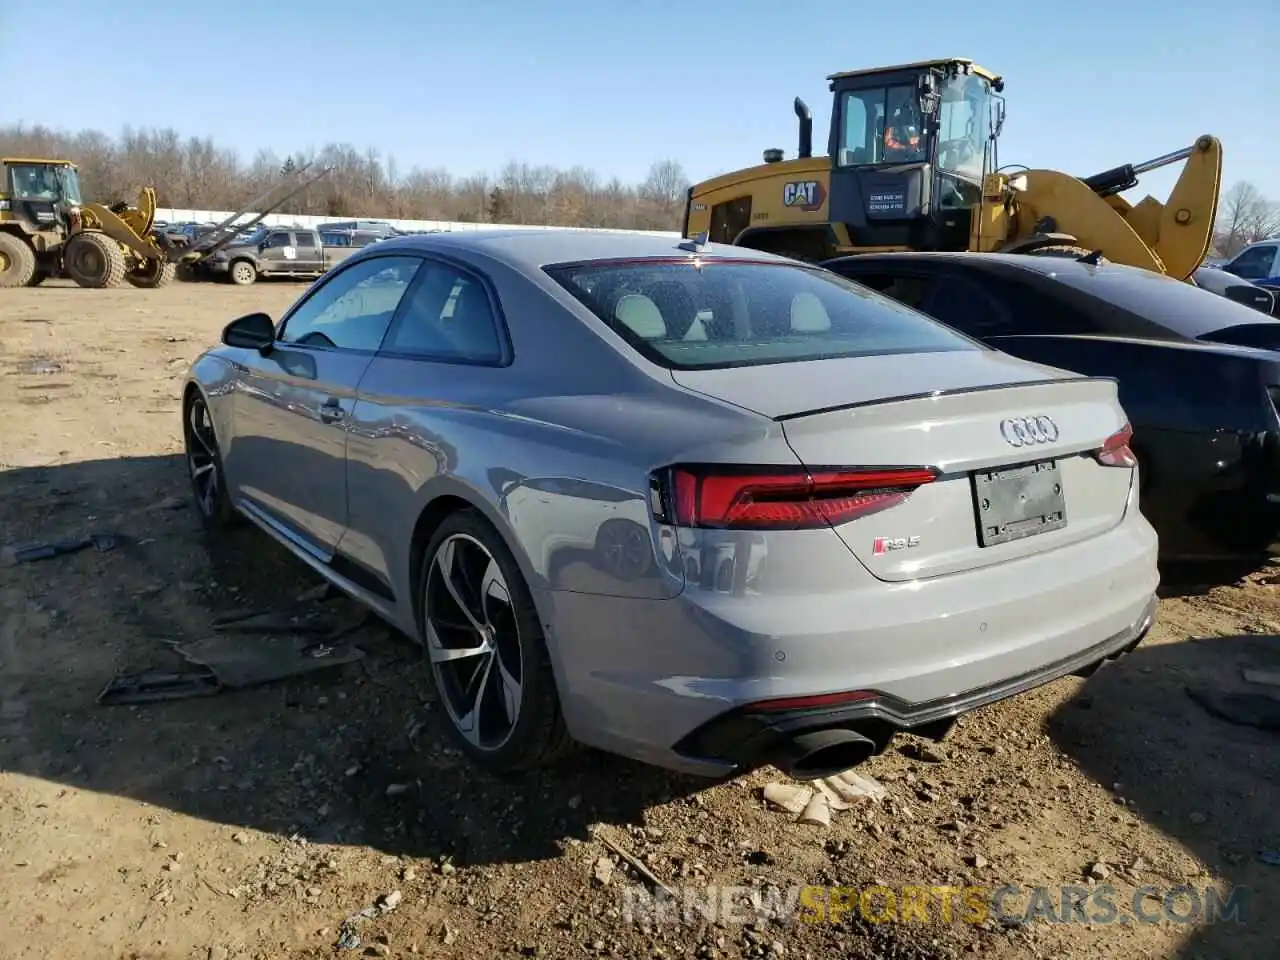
x,y
153,274
95,261
17,262
488,658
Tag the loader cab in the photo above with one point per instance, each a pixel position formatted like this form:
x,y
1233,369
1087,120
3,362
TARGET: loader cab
x,y
909,147
38,193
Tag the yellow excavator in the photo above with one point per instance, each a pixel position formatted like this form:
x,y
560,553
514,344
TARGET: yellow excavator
x,y
47,229
913,164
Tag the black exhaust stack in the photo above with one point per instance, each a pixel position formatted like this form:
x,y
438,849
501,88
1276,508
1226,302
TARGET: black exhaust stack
x,y
805,116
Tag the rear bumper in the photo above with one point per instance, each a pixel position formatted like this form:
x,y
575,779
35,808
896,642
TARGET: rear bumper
x,y
669,681
743,738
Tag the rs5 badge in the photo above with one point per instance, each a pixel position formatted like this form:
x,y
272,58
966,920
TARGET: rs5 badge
x,y
883,545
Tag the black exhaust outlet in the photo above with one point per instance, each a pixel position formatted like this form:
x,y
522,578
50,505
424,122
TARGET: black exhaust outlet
x,y
805,116
821,753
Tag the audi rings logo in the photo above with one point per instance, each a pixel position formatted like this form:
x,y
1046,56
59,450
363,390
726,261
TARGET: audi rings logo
x,y
1026,431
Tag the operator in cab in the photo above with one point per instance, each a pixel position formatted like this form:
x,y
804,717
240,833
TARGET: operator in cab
x,y
902,134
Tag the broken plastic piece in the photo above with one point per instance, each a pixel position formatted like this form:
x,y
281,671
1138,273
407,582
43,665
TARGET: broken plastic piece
x,y
817,811
854,786
152,687
102,542
788,796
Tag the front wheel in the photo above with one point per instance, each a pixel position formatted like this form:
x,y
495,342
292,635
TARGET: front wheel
x,y
94,260
242,273
204,466
488,656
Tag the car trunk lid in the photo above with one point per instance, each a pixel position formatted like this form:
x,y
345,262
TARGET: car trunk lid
x,y
1015,464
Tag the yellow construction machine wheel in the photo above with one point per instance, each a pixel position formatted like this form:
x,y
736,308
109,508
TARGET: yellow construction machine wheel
x,y
94,260
17,261
152,274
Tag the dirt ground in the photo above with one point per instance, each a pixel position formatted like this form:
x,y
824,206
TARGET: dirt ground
x,y
253,823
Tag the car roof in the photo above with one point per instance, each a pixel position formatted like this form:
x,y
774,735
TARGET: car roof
x,y
1164,301
532,249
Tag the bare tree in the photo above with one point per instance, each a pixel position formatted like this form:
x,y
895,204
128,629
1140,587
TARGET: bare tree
x,y
196,174
1244,216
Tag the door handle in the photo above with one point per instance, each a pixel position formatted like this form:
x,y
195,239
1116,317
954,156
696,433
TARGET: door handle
x,y
331,411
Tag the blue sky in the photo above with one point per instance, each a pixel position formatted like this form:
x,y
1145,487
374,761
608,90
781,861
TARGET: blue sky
x,y
614,86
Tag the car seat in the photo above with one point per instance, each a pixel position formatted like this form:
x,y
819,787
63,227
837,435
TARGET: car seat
x,y
641,316
808,315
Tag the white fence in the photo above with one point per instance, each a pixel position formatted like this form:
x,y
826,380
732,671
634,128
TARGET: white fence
x,y
298,220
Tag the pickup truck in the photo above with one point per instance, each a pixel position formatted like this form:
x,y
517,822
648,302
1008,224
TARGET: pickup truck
x,y
274,252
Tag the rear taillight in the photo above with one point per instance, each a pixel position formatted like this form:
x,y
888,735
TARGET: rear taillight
x,y
773,498
1115,451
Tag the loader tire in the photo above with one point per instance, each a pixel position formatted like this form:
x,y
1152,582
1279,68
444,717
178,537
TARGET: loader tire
x,y
94,260
17,261
153,274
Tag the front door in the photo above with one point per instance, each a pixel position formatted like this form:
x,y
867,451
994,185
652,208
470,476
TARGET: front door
x,y
287,462
279,255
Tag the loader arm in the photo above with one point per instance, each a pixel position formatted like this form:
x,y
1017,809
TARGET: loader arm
x,y
1171,238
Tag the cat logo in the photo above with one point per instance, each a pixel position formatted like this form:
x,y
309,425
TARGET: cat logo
x,y
808,195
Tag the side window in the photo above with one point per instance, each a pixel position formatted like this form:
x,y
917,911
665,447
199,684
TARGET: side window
x,y
962,305
907,290
1253,264
278,240
305,240
447,317
354,308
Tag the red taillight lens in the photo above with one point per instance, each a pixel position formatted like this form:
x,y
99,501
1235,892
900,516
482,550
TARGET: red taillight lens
x,y
1115,451
810,703
770,498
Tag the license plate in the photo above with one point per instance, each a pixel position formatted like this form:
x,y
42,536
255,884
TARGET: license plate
x,y
1018,502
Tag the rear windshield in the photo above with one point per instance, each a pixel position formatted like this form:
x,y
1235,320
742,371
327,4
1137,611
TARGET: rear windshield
x,y
689,315
1187,310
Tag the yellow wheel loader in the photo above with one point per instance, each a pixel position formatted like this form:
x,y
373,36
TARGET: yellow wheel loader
x,y
913,164
48,230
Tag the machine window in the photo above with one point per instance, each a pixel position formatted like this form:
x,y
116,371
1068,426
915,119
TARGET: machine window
x,y
964,125
882,125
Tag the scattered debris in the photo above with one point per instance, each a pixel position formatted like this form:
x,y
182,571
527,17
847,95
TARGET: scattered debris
x,y
389,901
817,811
603,871
154,686
101,542
397,789
638,866
240,661
1270,857
788,796
1258,710
1266,678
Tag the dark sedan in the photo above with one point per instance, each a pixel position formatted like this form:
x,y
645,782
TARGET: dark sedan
x,y
1196,374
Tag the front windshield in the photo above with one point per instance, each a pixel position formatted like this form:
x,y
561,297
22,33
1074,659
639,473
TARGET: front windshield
x,y
964,125
45,181
882,125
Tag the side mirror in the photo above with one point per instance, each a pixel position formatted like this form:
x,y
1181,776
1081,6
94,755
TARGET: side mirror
x,y
252,332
